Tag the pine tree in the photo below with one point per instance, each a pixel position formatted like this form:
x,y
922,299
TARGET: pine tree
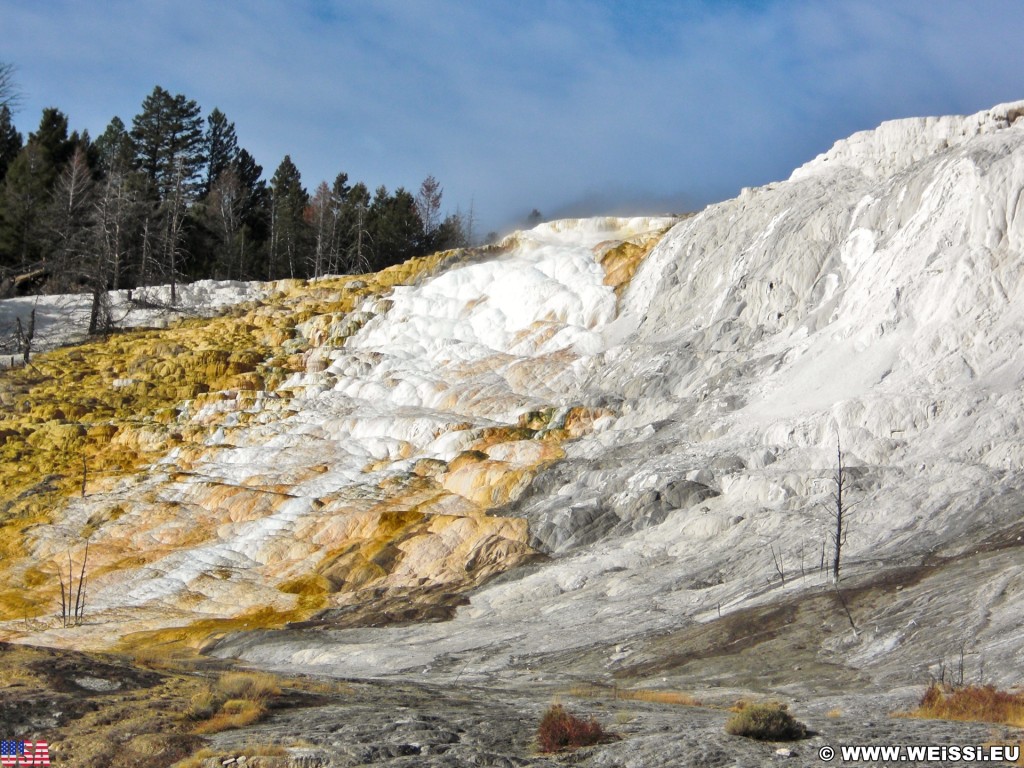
x,y
114,148
10,141
52,138
395,226
288,229
26,191
221,146
235,216
450,234
257,196
169,144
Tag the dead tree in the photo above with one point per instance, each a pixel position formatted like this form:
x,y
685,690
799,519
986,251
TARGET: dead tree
x,y
25,336
779,563
839,510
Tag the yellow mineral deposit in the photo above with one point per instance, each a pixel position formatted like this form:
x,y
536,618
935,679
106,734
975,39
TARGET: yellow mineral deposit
x,y
620,260
80,422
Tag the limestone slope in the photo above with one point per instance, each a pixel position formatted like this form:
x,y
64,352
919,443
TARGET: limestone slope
x,y
331,451
644,420
875,298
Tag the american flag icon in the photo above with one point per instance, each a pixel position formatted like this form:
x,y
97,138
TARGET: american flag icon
x,y
10,751
22,753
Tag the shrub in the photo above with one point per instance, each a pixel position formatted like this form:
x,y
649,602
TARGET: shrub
x,y
255,686
237,699
976,703
202,705
766,722
561,730
235,713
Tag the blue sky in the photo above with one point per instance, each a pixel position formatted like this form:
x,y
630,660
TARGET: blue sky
x,y
574,107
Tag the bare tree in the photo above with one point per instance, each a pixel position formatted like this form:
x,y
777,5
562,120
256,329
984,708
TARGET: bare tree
x,y
117,215
225,204
358,252
8,88
69,221
779,563
839,510
323,214
428,204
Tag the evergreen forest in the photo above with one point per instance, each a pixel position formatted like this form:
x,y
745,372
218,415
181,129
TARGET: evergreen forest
x,y
172,197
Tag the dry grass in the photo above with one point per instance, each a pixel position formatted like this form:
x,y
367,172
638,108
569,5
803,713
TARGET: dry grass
x,y
661,697
235,700
233,713
159,659
974,703
678,698
255,686
151,718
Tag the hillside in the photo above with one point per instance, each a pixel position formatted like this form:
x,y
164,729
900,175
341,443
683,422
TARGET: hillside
x,y
600,451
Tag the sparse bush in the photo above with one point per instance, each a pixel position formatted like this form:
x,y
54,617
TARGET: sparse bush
x,y
255,686
765,722
202,706
237,699
234,713
560,730
976,703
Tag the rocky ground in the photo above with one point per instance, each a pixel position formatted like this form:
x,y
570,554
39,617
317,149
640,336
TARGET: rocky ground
x,y
664,701
98,712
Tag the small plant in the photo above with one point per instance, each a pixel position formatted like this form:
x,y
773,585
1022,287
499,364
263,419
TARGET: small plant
x,y
765,722
73,614
560,730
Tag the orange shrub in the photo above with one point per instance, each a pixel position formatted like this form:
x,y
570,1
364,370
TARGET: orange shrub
x,y
560,730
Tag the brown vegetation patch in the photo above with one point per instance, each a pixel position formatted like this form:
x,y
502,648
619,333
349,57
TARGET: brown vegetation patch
x,y
102,711
560,730
973,703
653,695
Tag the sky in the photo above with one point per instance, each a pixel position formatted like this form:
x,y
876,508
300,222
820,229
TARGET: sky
x,y
574,107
